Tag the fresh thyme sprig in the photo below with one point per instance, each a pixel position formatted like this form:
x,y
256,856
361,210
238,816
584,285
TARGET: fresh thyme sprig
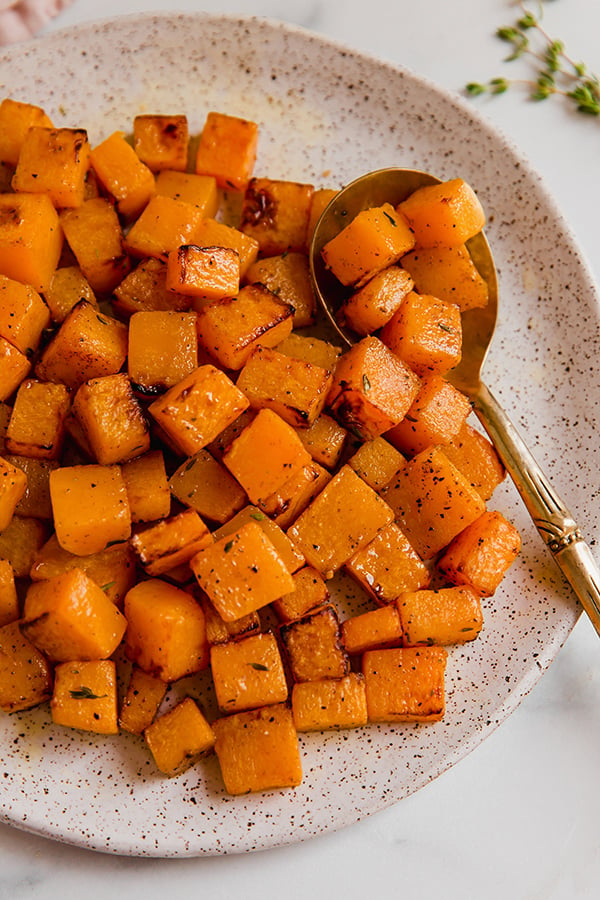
x,y
555,72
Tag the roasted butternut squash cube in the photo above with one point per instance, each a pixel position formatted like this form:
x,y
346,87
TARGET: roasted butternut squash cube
x,y
310,349
218,631
448,273
374,629
231,328
482,553
376,462
445,214
162,349
145,289
242,572
169,542
161,142
87,345
68,286
313,646
123,174
258,750
196,409
294,389
432,501
437,414
290,555
85,696
94,234
179,738
276,214
90,507
206,486
372,306
13,483
211,233
31,239
405,684
426,333
20,542
449,615
25,673
288,275
310,592
166,630
23,315
248,673
199,190
264,455
374,240
325,440
342,519
14,367
388,566
54,161
475,456
147,487
142,700
70,617
16,118
372,389
112,419
330,704
37,423
204,273
36,499
295,494
9,602
164,225
227,150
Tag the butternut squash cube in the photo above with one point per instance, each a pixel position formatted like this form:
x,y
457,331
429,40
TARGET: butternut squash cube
x,y
122,173
231,328
342,519
445,214
374,629
70,617
426,333
196,409
112,419
325,440
288,276
68,286
87,345
145,289
199,190
31,239
161,142
210,233
166,630
264,455
179,738
310,592
242,572
388,566
331,704
372,389
432,501
90,507
227,150
438,413
475,456
276,214
162,349
94,234
372,306
36,499
449,274
14,367
20,542
482,553
447,616
290,555
13,483
295,494
85,696
313,646
147,487
170,542
248,673
25,673
16,118
9,602
37,423
374,240
206,486
142,700
405,684
164,225
54,161
205,273
218,631
258,750
23,315
376,462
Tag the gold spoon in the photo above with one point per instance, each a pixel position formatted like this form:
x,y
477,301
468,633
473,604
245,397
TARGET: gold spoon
x,y
552,519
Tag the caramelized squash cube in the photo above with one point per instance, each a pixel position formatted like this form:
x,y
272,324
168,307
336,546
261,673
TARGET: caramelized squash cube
x,y
142,700
258,750
447,616
376,462
206,486
325,440
94,234
37,423
162,349
437,415
205,273
23,315
68,286
166,630
388,566
227,150
164,225
372,389
36,499
330,704
14,367
248,673
290,555
218,631
144,289
25,673
372,630
482,553
295,494
405,684
70,617
54,161
13,483
475,456
112,419
16,118
426,333
288,276
313,646
445,214
342,519
85,696
147,487
242,572
161,142
179,738
123,175
310,592
31,239
210,233
276,214
449,274
372,306
199,190
170,542
9,601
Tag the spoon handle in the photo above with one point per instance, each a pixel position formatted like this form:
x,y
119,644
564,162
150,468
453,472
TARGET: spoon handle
x,y
552,519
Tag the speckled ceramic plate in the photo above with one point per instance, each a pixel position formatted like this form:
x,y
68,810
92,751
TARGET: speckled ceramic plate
x,y
326,115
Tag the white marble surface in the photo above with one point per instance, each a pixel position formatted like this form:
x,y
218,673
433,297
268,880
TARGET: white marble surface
x,y
516,819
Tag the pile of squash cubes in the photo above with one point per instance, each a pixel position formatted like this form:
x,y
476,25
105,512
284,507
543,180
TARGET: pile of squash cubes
x,y
185,465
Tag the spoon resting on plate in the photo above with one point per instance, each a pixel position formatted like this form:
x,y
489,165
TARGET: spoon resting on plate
x,y
551,517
